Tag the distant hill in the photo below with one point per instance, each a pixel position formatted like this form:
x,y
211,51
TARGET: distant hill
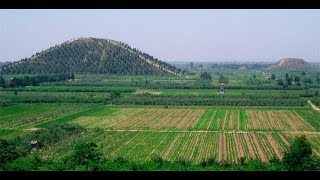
x,y
290,64
91,56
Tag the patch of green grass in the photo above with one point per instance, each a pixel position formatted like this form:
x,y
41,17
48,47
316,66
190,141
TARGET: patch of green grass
x,y
4,132
243,120
312,117
218,118
204,120
100,111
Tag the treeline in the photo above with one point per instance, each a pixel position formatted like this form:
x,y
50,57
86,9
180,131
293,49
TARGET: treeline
x,y
73,89
117,97
234,66
55,97
148,99
179,85
297,80
33,80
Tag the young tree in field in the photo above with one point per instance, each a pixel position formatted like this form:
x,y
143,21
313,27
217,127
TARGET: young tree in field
x,y
298,155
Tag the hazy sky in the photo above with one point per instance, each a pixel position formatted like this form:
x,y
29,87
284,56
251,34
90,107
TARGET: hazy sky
x,y
197,35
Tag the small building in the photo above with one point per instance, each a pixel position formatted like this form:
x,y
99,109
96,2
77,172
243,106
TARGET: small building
x,y
221,87
34,145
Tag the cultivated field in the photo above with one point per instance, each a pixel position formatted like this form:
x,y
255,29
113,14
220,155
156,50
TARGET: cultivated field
x,y
194,134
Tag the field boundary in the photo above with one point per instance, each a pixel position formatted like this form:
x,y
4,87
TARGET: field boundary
x,y
212,131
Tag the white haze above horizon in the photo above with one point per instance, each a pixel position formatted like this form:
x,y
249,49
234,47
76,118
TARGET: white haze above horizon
x,y
170,35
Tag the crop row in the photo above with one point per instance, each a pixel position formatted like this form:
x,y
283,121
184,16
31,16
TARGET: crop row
x,y
29,115
192,146
282,120
201,119
144,118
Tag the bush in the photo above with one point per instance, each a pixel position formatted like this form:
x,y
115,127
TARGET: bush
x,y
85,154
25,163
209,162
8,152
298,156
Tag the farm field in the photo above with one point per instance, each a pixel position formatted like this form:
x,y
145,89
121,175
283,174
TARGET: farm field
x,y
195,134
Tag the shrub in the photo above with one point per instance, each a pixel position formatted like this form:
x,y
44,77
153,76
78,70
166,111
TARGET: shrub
x,y
298,156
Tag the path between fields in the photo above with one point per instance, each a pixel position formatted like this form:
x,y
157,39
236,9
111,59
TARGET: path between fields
x,y
240,132
313,106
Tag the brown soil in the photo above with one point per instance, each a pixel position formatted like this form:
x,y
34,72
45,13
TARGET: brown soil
x,y
238,145
259,149
274,146
249,145
143,91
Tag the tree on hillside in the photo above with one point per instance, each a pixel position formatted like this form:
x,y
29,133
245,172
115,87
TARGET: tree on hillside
x,y
298,155
273,77
205,76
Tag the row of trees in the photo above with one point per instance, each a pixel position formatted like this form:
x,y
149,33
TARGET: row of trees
x,y
231,66
33,80
294,80
180,85
210,101
119,97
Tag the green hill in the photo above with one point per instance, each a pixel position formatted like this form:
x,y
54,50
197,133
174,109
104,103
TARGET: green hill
x,y
91,56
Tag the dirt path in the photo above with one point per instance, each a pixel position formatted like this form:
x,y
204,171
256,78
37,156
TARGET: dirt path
x,y
249,145
238,145
274,145
313,106
222,147
260,150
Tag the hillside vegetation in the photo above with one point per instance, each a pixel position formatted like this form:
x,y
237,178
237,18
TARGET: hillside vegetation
x,y
290,64
91,56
